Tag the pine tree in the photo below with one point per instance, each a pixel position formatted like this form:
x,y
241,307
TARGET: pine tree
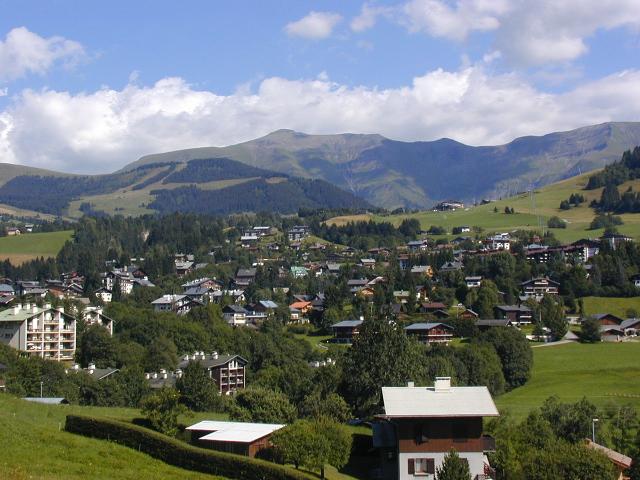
x,y
453,468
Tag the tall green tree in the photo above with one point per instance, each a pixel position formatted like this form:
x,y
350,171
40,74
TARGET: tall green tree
x,y
381,355
453,468
199,392
162,409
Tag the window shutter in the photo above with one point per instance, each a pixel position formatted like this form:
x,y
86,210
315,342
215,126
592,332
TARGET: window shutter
x,y
412,466
431,465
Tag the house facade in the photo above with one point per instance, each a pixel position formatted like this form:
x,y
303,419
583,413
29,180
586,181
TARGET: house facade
x,y
46,332
430,332
536,288
421,425
346,331
227,371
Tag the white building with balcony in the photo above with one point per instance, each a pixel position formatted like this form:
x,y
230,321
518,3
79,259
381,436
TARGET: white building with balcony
x,y
45,332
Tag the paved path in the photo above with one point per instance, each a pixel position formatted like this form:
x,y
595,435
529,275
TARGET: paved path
x,y
552,344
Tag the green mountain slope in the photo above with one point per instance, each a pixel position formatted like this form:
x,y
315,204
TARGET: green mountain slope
x,y
390,173
212,185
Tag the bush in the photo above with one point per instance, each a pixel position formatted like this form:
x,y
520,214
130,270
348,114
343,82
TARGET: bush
x,y
556,222
178,453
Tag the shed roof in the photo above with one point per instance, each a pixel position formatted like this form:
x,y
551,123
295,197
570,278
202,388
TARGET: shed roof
x,y
239,432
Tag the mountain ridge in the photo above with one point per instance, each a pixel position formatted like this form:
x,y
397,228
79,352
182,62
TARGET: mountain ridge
x,y
391,173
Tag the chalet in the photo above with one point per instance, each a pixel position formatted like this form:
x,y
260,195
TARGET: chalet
x,y
380,252
245,277
448,205
184,267
205,282
518,314
235,315
247,241
299,272
430,332
468,314
201,294
422,293
634,278
13,231
346,331
587,248
432,307
611,333
486,324
240,438
7,290
356,284
298,233
260,231
104,294
236,295
369,263
402,296
500,241
422,424
418,246
453,266
46,332
95,316
422,271
179,304
304,307
621,462
227,371
605,319
631,326
473,282
31,288
536,288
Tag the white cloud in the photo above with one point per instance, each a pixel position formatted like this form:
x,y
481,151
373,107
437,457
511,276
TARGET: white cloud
x,y
440,19
23,52
103,130
315,26
541,31
368,16
527,32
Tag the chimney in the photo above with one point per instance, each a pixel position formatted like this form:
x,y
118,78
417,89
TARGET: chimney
x,y
61,309
214,355
34,308
186,358
76,366
155,374
442,384
147,376
162,371
92,366
27,306
47,306
16,309
165,375
411,384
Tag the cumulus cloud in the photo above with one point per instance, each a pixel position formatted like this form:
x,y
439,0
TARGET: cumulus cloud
x,y
441,19
103,130
527,32
314,26
23,52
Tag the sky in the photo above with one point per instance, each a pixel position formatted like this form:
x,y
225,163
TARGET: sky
x,y
88,87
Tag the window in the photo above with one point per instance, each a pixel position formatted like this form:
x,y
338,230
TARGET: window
x,y
421,466
460,431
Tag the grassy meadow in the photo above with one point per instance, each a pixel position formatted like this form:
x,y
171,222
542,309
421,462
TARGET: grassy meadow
x,y
22,248
529,212
34,446
604,373
615,305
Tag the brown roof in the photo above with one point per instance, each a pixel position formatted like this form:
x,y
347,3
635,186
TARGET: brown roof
x,y
616,457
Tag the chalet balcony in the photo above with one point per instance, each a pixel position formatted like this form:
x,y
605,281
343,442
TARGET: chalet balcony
x,y
488,443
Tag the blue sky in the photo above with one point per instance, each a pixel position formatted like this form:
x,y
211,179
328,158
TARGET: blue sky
x,y
90,86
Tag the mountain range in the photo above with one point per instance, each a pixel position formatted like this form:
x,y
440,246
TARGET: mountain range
x,y
357,170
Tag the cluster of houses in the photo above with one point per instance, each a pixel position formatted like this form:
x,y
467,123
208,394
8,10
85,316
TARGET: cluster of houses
x,y
12,231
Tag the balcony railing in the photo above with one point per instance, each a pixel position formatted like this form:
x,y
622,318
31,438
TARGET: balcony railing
x,y
488,443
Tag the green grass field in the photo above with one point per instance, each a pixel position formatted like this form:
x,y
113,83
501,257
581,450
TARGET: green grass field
x,y
615,305
545,204
604,373
35,447
28,246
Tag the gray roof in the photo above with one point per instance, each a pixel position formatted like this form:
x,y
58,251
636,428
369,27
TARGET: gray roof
x,y
499,322
47,400
268,304
427,402
513,308
630,323
426,326
210,362
347,324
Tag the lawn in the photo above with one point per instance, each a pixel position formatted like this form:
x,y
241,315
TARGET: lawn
x,y
22,248
604,373
615,305
35,446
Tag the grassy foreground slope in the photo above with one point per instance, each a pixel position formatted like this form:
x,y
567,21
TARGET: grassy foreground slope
x,y
530,210
22,248
604,373
35,446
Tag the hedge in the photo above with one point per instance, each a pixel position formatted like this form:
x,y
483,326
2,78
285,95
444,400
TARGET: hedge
x,y
180,454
